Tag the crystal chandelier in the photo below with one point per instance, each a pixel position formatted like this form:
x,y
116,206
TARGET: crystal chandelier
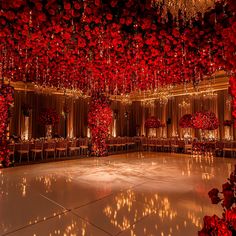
x,y
148,103
188,8
209,94
126,100
185,104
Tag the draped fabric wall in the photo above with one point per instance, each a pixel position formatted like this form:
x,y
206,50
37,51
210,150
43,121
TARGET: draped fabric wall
x,y
129,118
76,121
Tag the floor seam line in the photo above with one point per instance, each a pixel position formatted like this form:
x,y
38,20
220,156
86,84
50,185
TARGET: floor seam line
x,y
35,223
74,213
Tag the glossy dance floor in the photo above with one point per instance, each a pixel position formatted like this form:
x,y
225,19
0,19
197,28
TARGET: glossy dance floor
x,y
130,194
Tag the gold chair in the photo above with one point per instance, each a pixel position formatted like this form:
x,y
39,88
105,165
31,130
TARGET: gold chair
x,y
50,147
73,148
11,148
61,147
38,148
24,150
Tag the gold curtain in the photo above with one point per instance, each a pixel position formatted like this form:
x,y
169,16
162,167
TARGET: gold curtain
x,y
130,118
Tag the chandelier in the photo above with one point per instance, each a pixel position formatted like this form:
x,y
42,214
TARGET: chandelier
x,y
126,100
148,103
185,104
188,8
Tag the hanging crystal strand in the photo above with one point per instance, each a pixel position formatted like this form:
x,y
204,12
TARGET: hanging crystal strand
x,y
5,63
12,68
83,18
1,67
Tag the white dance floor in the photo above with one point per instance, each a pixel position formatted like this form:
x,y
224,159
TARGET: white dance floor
x,y
134,194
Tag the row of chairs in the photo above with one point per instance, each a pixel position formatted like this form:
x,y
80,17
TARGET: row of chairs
x,y
44,149
120,144
153,144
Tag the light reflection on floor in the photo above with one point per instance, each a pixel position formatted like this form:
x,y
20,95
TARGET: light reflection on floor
x,y
135,194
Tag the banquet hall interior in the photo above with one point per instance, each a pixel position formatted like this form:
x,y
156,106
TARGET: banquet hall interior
x,y
117,117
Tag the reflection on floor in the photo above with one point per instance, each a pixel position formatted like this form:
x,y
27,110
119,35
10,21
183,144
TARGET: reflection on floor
x,y
134,194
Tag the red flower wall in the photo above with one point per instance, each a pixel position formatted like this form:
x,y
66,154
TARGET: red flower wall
x,y
99,120
6,100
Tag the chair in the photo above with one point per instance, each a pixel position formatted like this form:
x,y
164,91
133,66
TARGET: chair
x,y
38,148
61,147
73,147
84,146
50,147
228,146
188,148
11,148
24,150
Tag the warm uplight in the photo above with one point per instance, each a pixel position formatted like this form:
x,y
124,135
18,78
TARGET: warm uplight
x,y
188,8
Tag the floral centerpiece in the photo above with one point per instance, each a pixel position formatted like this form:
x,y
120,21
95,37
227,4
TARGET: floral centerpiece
x,y
226,225
6,101
186,121
152,122
99,120
205,120
26,110
227,122
49,117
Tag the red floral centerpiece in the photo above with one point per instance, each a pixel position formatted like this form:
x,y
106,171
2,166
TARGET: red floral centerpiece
x,y
205,120
49,117
152,122
26,110
6,101
99,120
227,122
186,121
226,225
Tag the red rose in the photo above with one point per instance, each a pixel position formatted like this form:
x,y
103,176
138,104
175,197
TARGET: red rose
x,y
228,198
67,5
38,6
113,3
109,16
230,216
42,17
129,21
97,3
122,21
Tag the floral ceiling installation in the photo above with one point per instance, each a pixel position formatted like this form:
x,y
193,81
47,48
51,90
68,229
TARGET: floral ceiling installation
x,y
111,46
6,101
99,120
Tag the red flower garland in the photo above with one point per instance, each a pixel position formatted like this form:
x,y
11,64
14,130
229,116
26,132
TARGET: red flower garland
x,y
49,117
152,122
6,100
99,120
225,226
186,121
